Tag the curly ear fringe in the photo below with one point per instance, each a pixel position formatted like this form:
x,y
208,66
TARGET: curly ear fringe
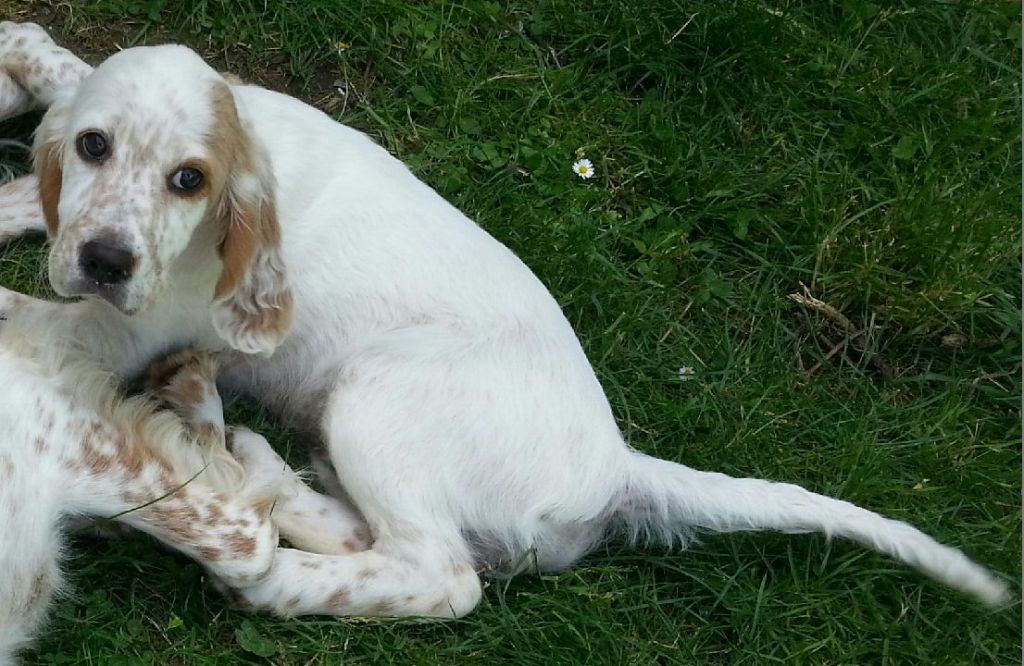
x,y
255,317
252,306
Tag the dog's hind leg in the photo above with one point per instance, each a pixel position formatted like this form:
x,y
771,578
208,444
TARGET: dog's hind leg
x,y
401,578
307,519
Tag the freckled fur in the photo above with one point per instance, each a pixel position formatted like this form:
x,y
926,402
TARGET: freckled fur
x,y
73,445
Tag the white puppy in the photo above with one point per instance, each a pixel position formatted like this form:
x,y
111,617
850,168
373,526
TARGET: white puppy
x,y
436,371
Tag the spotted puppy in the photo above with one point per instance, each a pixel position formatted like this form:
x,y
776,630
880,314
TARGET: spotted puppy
x,y
73,446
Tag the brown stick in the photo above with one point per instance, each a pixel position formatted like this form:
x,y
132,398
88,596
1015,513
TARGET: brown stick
x,y
853,333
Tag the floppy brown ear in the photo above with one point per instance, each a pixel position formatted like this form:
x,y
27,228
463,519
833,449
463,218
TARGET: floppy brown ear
x,y
252,303
47,152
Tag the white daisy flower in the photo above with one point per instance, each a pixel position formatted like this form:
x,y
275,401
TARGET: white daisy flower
x,y
686,373
583,168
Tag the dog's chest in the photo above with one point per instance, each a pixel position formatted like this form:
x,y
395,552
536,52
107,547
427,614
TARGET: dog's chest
x,y
294,393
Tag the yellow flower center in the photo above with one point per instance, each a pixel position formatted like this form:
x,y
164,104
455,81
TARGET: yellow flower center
x,y
583,168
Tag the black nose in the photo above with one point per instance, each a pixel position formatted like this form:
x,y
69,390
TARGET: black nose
x,y
105,263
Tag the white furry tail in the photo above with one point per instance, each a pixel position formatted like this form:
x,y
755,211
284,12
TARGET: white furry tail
x,y
668,502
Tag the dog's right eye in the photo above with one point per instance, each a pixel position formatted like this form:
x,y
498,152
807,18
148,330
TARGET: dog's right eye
x,y
186,179
93,146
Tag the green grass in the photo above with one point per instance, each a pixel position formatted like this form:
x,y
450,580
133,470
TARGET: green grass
x,y
869,151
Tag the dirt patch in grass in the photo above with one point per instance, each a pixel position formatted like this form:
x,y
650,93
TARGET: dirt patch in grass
x,y
94,41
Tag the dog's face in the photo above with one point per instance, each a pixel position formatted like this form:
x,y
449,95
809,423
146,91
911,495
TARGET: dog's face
x,y
138,174
145,153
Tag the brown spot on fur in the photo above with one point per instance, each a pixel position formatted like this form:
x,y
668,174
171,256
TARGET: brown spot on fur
x,y
178,520
338,597
102,450
240,544
181,380
186,392
210,554
96,461
40,445
214,514
159,373
133,498
292,603
131,458
368,573
309,564
352,545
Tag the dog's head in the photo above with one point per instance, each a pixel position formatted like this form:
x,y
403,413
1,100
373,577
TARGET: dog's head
x,y
146,158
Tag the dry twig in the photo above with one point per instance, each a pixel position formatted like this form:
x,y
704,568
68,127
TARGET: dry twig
x,y
854,335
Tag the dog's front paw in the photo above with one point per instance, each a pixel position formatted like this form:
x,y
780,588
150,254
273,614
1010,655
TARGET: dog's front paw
x,y
187,382
180,366
244,555
264,469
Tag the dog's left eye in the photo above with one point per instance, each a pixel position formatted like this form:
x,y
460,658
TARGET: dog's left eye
x,y
93,146
186,179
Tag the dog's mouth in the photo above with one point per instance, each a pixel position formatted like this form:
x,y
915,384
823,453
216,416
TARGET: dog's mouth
x,y
117,295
